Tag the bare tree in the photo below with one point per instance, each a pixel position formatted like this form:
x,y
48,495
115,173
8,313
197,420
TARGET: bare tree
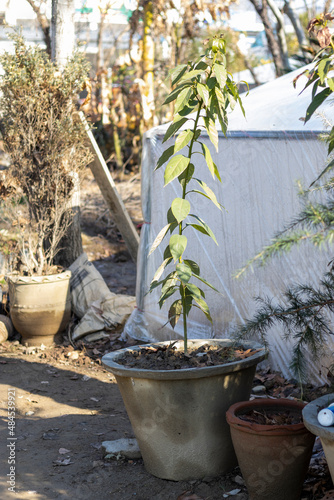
x,y
43,21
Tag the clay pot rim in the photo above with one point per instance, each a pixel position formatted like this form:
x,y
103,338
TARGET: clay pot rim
x,y
253,428
38,279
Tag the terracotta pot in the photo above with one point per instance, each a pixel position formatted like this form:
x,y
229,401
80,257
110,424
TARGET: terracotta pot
x,y
273,458
178,416
40,306
326,434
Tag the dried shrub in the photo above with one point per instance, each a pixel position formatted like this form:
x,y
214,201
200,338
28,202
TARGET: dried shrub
x,y
45,140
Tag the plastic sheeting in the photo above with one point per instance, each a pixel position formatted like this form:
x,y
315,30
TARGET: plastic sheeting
x,y
259,163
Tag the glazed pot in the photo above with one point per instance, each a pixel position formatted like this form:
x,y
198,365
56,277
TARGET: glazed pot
x,y
178,416
273,459
326,434
40,306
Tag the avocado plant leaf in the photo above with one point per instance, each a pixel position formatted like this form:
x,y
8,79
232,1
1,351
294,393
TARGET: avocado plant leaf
x,y
194,291
203,92
208,192
175,167
160,270
221,74
182,139
211,130
209,161
203,227
162,233
165,156
193,266
177,245
174,127
205,282
180,209
203,306
182,99
174,312
184,272
175,92
317,101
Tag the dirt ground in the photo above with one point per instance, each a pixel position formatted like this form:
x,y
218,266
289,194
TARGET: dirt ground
x,y
66,404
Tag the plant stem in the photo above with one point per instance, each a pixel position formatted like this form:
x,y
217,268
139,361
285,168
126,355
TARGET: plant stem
x,y
183,294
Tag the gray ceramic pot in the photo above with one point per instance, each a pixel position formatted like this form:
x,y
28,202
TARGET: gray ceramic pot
x,y
178,416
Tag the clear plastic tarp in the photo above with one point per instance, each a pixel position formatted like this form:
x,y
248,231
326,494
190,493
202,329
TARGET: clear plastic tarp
x,y
260,163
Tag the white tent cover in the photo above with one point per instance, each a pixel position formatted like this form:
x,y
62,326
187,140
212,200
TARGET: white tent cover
x,y
260,162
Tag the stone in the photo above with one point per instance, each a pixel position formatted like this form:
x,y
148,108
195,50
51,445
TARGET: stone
x,y
124,447
258,389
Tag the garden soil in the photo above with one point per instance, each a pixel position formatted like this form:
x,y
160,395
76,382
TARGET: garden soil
x,y
67,404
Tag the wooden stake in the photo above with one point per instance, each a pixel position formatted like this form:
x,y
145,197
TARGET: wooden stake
x,y
110,194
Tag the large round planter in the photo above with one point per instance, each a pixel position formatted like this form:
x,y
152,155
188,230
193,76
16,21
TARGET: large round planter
x,y
40,306
273,459
178,416
326,434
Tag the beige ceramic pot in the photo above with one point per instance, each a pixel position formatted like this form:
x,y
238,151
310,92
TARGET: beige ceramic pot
x,y
273,459
326,434
178,416
40,306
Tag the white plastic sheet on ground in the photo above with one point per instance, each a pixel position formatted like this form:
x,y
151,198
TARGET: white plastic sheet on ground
x,y
99,309
260,163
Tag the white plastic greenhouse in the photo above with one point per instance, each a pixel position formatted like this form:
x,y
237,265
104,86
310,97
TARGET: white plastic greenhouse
x,y
260,163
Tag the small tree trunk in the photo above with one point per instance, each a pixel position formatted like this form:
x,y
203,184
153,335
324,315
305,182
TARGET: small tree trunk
x,y
269,31
44,24
281,34
62,45
148,65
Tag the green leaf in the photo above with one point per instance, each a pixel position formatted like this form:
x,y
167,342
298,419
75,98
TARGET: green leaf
x,y
175,312
164,296
177,73
209,161
169,282
317,101
330,83
174,72
174,127
186,176
203,227
194,291
177,245
175,167
323,67
191,74
205,282
165,156
212,131
180,209
327,169
203,92
193,266
182,139
221,74
183,99
220,97
204,307
175,92
159,238
161,268
184,272
208,192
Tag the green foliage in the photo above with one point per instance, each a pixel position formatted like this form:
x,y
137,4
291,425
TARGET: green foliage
x,y
304,310
203,93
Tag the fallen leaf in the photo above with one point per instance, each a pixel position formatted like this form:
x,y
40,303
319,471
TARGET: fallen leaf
x,y
231,493
95,399
63,451
63,461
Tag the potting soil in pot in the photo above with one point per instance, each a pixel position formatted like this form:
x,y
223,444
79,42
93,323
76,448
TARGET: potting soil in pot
x,y
168,357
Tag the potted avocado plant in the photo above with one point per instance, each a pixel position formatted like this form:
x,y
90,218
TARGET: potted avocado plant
x,y
45,143
176,393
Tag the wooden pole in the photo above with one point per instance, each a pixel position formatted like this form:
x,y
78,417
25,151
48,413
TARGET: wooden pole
x,y
114,201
